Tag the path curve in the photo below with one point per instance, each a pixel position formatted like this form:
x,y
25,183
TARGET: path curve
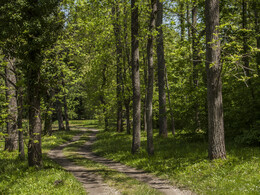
x,y
92,182
157,183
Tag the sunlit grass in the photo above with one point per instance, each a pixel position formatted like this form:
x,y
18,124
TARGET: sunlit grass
x,y
183,160
17,178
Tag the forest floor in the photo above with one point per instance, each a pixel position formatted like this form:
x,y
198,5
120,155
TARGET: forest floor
x,y
92,181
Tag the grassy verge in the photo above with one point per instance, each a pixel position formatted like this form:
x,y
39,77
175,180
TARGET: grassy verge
x,y
115,179
17,178
183,160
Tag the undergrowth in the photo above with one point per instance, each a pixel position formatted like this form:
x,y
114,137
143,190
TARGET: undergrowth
x,y
183,160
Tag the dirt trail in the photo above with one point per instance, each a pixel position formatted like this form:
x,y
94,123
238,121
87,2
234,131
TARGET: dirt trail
x,y
159,184
92,182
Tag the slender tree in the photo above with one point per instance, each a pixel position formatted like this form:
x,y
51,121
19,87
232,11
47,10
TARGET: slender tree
x,y
11,141
135,77
117,32
214,84
195,58
149,104
161,71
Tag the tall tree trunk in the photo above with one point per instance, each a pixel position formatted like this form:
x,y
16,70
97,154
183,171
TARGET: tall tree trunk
x,y
117,32
214,84
145,97
256,5
48,113
245,45
102,96
127,65
169,100
65,105
11,142
149,105
47,123
195,60
161,72
20,121
66,113
128,125
59,115
35,127
135,77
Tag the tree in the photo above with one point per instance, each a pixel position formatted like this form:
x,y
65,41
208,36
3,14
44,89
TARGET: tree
x,y
117,32
135,77
214,84
11,141
161,71
149,108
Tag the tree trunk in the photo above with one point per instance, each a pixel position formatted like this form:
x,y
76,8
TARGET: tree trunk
x,y
11,142
135,78
195,60
48,113
35,127
149,105
127,107
59,115
145,97
161,72
47,123
169,100
117,32
257,32
65,106
20,121
214,84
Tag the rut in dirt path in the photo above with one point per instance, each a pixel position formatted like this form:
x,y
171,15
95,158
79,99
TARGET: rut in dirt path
x,y
159,184
93,183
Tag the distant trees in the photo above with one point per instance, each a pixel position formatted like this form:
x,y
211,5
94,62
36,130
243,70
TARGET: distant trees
x,y
100,64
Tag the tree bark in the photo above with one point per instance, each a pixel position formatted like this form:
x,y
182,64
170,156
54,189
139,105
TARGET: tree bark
x,y
35,127
214,84
65,105
20,121
59,115
169,100
256,5
135,77
257,32
117,32
48,114
195,60
161,72
11,141
149,103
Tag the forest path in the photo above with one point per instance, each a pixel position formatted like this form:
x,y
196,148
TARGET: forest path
x,y
93,183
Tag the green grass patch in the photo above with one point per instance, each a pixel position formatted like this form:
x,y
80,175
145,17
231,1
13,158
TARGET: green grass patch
x,y
121,182
183,160
17,178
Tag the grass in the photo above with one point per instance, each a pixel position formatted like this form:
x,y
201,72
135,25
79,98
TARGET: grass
x,y
121,182
17,178
183,160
